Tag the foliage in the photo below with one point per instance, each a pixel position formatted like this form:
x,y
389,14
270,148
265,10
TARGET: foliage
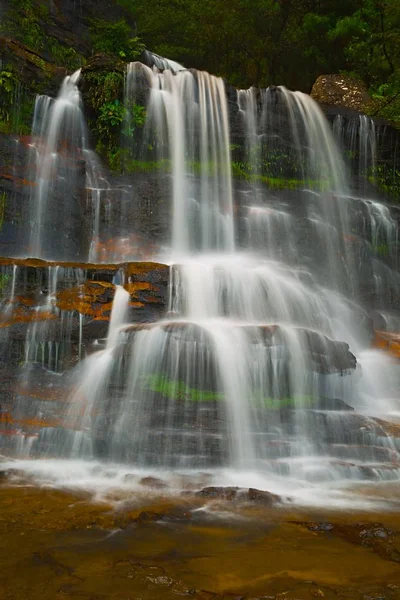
x,y
135,117
4,279
16,104
64,55
263,42
104,87
111,115
23,21
115,38
7,88
387,178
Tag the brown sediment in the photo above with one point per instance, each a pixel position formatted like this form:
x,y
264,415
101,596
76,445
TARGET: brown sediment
x,y
57,544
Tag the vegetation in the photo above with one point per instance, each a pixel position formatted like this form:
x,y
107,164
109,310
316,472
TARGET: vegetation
x,y
289,42
180,391
115,38
258,42
4,279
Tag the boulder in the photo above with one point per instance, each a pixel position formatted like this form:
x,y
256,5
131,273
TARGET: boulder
x,y
341,90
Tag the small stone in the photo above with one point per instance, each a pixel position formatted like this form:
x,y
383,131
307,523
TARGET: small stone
x,y
318,593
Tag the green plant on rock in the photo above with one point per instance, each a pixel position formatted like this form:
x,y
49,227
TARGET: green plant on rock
x,y
104,87
287,402
111,115
115,38
23,21
381,250
7,87
4,279
108,127
179,390
64,56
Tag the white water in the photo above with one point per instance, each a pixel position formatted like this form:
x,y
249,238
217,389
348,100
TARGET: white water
x,y
59,147
187,122
251,375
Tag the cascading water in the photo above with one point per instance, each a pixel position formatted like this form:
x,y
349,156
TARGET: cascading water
x,y
187,124
62,166
254,368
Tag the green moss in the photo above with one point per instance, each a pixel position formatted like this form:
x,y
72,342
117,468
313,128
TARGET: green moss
x,y
4,279
381,250
179,390
242,171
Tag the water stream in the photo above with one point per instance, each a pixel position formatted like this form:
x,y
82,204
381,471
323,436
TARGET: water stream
x,y
262,366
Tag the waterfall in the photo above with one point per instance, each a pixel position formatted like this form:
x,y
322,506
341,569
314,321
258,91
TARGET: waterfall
x,y
187,124
262,361
62,165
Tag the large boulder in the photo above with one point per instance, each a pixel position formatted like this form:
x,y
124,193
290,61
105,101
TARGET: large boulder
x,y
341,90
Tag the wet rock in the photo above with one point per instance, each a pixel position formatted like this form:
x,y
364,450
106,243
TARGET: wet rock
x,y
390,342
218,493
325,527
33,70
381,540
153,482
332,404
262,497
7,474
239,495
148,516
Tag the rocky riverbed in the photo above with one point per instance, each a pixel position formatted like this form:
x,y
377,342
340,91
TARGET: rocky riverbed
x,y
216,543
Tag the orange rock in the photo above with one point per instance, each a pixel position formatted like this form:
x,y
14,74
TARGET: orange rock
x,y
387,341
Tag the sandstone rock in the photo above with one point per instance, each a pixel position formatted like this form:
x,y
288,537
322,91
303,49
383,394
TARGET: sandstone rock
x,y
341,90
390,342
262,497
148,517
153,482
218,493
239,495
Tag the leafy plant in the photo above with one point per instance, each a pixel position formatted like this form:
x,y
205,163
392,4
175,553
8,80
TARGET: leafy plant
x,y
104,87
111,115
4,279
65,56
115,38
7,87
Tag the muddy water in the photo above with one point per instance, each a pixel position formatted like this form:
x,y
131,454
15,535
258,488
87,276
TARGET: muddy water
x,y
56,545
